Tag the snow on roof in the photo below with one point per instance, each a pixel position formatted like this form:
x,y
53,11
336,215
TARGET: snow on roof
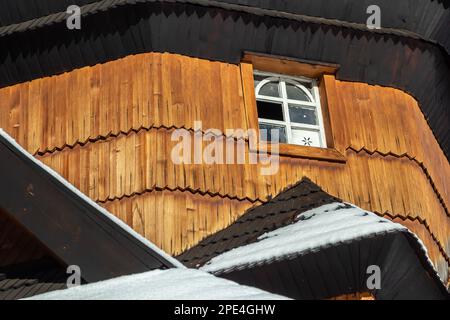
x,y
314,229
88,200
171,284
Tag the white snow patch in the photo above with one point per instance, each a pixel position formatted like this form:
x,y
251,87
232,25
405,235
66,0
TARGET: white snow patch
x,y
172,284
317,228
85,198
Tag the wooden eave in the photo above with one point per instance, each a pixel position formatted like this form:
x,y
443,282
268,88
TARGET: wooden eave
x,y
75,231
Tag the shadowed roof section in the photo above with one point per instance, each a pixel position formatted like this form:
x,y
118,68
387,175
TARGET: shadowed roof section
x,y
72,227
31,278
277,213
306,244
26,266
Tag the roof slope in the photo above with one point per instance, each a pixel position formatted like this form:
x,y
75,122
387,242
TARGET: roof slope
x,y
173,284
18,16
312,230
72,227
277,213
31,278
94,7
428,18
306,244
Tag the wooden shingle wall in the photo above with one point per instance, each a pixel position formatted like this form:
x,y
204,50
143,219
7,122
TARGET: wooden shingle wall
x,y
107,129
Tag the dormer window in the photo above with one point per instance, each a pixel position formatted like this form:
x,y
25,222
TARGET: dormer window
x,y
291,105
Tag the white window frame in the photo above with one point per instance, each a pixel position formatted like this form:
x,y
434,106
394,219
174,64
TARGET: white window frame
x,y
284,101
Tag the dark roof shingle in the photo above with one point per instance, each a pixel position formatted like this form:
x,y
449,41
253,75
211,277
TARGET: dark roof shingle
x,y
278,212
31,278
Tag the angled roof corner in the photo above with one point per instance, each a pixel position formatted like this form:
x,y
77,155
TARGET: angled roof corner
x,y
71,226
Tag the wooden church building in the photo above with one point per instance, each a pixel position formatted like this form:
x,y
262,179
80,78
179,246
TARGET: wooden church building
x,y
362,117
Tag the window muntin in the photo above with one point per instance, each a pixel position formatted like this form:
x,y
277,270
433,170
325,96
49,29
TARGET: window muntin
x,y
292,105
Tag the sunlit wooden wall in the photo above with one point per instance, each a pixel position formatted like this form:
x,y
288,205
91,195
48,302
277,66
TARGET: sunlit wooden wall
x,y
107,129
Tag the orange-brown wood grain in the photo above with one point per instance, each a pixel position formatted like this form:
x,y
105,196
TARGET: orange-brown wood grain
x,y
176,220
373,181
144,90
107,129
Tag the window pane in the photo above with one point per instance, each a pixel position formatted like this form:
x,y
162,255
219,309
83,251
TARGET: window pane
x,y
295,93
301,114
270,89
270,110
306,137
265,130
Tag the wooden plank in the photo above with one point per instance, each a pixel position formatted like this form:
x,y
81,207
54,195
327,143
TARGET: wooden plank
x,y
289,66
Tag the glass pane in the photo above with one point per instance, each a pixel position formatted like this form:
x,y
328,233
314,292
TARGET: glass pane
x,y
270,89
266,133
301,114
258,79
295,93
269,110
306,137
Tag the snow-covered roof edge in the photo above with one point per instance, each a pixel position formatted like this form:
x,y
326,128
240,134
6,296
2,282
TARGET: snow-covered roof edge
x,y
175,283
424,250
90,202
420,244
216,266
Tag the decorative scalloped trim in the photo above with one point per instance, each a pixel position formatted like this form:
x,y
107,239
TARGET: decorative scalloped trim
x,y
120,133
411,158
181,189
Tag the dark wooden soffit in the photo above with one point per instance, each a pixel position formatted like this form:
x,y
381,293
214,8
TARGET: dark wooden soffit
x,y
343,270
74,230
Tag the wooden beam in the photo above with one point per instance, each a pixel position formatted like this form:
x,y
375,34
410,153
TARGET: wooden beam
x,y
74,230
289,66
297,151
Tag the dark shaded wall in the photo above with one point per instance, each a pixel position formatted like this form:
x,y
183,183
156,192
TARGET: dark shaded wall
x,y
428,18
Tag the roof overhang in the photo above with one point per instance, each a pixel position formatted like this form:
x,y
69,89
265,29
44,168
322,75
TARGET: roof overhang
x,y
345,269
75,229
306,244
